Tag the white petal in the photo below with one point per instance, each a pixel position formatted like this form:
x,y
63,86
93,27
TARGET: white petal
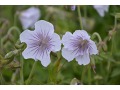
x,y
56,42
67,39
26,22
28,36
45,61
101,9
35,53
30,52
106,8
81,33
92,48
44,27
101,12
67,54
83,59
29,17
43,57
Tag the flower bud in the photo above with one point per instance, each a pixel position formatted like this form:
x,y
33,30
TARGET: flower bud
x,y
75,81
13,65
11,54
102,46
93,65
19,45
111,33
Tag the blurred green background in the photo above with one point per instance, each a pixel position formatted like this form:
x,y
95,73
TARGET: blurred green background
x,y
107,63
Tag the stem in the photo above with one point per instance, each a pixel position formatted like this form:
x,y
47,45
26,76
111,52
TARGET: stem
x,y
85,12
80,18
14,76
89,75
31,73
21,71
1,78
13,28
15,16
61,67
83,73
98,36
115,23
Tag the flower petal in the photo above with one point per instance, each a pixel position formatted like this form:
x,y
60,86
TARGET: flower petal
x,y
67,54
28,36
67,39
56,42
26,22
101,9
44,57
83,59
93,48
45,61
106,8
30,52
29,17
101,12
81,33
44,27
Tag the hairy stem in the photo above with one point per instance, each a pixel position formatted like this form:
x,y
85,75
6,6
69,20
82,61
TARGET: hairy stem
x,y
21,71
31,73
97,35
80,18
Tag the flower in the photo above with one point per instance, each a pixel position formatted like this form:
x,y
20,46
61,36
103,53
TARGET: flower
x,y
78,45
29,17
101,9
40,42
73,7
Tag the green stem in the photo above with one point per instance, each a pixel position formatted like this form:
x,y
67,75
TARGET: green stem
x,y
15,17
21,71
1,78
14,28
13,79
83,73
89,75
98,36
85,12
80,18
115,23
31,73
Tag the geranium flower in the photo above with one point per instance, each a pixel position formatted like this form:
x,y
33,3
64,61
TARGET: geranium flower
x,y
78,45
73,7
101,9
29,17
40,42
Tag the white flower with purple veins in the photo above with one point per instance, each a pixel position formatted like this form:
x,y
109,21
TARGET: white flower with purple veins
x,y
40,42
101,9
29,17
79,46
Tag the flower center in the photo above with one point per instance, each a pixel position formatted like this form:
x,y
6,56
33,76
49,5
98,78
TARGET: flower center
x,y
43,42
83,44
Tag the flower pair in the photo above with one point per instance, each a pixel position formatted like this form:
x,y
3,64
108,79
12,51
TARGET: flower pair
x,y
43,40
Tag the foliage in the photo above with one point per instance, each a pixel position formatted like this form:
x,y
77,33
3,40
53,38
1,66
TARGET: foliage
x,y
103,69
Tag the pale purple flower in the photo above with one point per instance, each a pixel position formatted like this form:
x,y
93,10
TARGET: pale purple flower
x,y
40,42
101,9
73,7
79,46
29,17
